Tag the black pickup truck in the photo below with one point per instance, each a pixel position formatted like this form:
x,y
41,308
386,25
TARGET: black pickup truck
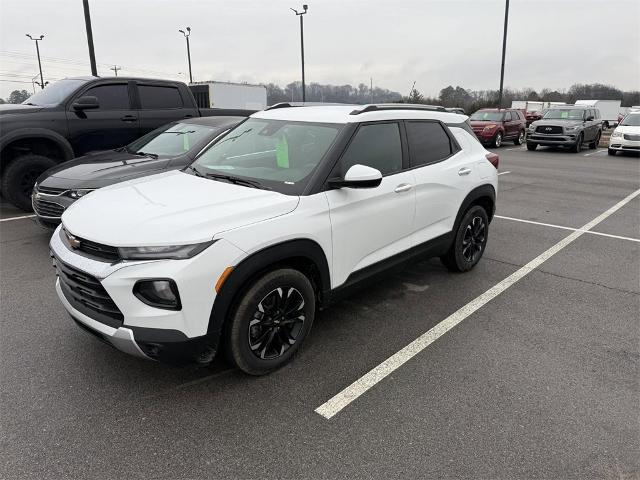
x,y
78,115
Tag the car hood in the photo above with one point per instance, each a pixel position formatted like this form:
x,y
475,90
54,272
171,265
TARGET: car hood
x,y
482,123
7,108
100,169
557,121
628,129
170,208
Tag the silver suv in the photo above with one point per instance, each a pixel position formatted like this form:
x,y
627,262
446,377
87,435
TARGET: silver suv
x,y
567,126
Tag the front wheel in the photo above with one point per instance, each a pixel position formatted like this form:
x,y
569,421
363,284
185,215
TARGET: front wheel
x,y
470,241
531,146
271,320
497,140
577,147
20,176
519,140
593,145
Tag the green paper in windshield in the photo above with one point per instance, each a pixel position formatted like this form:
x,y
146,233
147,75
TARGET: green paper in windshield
x,y
564,114
185,142
282,153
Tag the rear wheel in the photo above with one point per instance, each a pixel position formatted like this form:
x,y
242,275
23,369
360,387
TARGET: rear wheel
x,y
469,242
497,140
531,146
519,140
20,176
272,319
593,145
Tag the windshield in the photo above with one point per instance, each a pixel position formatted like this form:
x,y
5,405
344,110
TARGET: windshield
x,y
54,93
632,120
278,154
564,114
174,139
487,116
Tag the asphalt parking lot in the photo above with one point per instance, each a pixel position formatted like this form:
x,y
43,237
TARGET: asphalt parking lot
x,y
537,379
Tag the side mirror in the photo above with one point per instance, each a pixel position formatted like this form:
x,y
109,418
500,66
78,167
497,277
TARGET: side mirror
x,y
86,103
358,176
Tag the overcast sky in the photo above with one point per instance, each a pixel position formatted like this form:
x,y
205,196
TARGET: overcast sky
x,y
551,43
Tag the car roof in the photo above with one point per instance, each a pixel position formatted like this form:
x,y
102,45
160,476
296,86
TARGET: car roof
x,y
213,121
343,114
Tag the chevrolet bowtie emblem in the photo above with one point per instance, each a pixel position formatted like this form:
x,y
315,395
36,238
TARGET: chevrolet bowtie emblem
x,y
73,241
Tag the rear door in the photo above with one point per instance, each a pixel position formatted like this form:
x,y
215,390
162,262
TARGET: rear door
x,y
511,124
114,124
161,104
371,224
444,174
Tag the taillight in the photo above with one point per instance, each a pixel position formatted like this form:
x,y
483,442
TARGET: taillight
x,y
493,158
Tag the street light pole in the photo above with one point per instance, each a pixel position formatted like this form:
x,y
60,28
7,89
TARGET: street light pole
x,y
305,8
186,35
87,24
115,68
504,49
38,52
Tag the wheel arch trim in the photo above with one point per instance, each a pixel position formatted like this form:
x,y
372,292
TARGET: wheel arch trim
x,y
38,133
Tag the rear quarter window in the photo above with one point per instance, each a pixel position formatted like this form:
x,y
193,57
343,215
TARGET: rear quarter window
x,y
429,143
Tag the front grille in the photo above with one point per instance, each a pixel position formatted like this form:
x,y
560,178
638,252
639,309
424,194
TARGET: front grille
x,y
631,136
93,249
50,191
549,129
45,208
85,293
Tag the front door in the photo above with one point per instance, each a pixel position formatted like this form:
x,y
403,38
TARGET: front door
x,y
371,224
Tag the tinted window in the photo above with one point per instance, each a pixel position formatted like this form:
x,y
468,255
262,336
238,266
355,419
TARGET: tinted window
x,y
490,116
159,97
377,146
520,115
110,97
428,143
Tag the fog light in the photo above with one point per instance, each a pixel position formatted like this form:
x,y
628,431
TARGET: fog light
x,y
159,293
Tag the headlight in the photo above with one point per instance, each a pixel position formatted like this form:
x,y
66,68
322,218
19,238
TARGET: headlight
x,y
532,127
81,192
490,127
167,252
616,133
571,129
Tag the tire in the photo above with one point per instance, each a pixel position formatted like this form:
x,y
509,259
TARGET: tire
x,y
611,151
519,140
577,147
257,317
593,145
470,241
497,140
531,146
20,176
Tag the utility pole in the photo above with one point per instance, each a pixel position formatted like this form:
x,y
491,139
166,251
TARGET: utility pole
x,y
300,14
186,35
38,52
115,68
504,49
87,23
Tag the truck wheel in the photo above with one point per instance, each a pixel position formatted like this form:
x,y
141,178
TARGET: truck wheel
x,y
593,145
519,139
272,319
531,146
20,176
497,140
577,147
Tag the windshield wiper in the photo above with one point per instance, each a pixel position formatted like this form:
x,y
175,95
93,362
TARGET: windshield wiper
x,y
145,154
195,171
237,180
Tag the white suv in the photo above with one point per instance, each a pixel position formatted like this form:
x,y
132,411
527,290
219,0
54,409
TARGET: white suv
x,y
270,223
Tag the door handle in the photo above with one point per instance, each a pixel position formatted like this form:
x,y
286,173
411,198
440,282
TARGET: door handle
x,y
464,171
129,118
403,187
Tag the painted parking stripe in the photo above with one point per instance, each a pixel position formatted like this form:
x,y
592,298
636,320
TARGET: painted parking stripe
x,y
504,173
567,228
602,150
16,218
517,148
338,402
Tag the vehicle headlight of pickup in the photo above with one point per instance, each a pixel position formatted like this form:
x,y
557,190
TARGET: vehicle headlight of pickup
x,y
80,192
571,129
532,127
616,133
165,252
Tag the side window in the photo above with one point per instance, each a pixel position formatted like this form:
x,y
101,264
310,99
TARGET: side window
x,y
428,143
110,97
520,115
508,117
377,146
157,97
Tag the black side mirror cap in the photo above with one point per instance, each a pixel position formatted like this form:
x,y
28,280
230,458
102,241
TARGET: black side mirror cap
x,y
86,103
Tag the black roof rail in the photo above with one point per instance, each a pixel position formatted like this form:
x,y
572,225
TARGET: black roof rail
x,y
397,106
303,104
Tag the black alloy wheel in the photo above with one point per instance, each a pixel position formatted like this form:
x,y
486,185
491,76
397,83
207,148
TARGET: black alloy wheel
x,y
473,239
469,242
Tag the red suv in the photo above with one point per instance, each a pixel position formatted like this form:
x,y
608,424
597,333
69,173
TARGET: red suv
x,y
494,125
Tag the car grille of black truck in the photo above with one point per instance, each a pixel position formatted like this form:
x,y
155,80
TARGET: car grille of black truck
x,y
551,129
87,295
47,209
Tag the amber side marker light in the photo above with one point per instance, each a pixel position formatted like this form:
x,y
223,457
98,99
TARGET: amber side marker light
x,y
223,277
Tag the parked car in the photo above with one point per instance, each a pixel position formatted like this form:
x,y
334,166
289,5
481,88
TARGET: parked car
x,y
493,125
626,137
531,117
75,116
456,110
169,147
568,126
276,219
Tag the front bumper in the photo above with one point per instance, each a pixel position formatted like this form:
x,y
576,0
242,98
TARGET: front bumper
x,y
49,208
621,144
563,139
143,330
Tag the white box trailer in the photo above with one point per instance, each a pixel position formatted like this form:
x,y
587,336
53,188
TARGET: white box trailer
x,y
242,96
609,110
533,105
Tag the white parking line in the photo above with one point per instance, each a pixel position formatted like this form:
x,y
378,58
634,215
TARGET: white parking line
x,y
568,228
338,402
16,218
504,173
596,152
517,148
